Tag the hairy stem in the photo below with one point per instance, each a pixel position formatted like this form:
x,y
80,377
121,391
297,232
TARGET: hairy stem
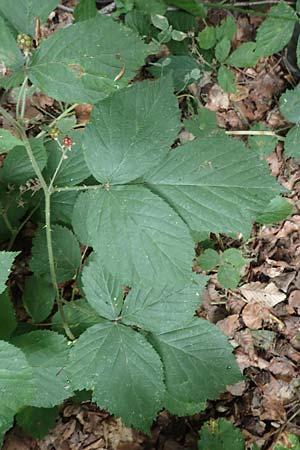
x,y
65,113
47,195
78,188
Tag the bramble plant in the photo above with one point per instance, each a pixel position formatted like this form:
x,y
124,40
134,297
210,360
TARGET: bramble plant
x,y
116,209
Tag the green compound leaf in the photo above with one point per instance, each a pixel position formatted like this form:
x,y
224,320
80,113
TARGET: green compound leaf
x,y
207,37
84,70
17,167
289,104
6,260
8,318
244,56
226,80
21,14
103,292
194,355
37,421
234,257
292,143
47,353
138,235
62,206
215,184
7,140
73,169
131,131
17,385
222,49
209,259
158,310
122,369
220,435
275,32
38,298
228,276
79,316
66,254
85,10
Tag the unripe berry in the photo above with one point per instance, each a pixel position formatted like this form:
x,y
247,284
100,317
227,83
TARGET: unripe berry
x,y
24,42
54,132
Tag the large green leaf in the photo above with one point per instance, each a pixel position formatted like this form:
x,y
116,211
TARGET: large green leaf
x,y
10,55
198,361
38,298
6,260
16,384
7,140
122,369
73,168
80,63
155,309
131,131
47,353
8,318
21,14
215,184
17,166
103,292
275,32
85,10
66,254
138,236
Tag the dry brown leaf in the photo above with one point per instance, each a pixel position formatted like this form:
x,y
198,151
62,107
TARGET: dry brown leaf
x,y
242,92
253,315
229,325
267,294
83,113
217,99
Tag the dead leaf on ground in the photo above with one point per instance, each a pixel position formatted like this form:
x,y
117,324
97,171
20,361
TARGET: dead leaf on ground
x,y
267,294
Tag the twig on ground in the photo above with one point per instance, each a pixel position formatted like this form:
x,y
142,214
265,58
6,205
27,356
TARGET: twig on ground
x,y
65,8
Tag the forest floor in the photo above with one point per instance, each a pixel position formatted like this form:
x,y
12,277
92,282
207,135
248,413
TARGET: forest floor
x,y
261,318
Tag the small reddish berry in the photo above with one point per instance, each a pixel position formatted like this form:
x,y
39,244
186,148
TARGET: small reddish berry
x,y
67,141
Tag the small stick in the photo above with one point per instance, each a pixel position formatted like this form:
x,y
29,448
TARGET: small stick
x,y
254,133
65,8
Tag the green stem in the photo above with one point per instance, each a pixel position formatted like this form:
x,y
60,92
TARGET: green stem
x,y
47,195
52,266
58,166
78,188
21,100
17,231
57,119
